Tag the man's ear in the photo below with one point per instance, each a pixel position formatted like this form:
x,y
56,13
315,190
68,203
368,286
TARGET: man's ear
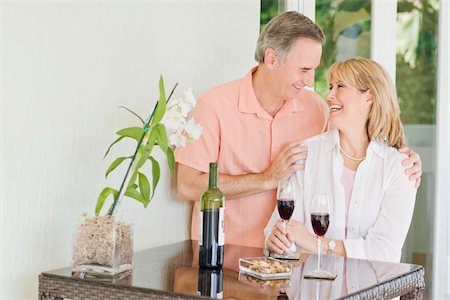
x,y
270,58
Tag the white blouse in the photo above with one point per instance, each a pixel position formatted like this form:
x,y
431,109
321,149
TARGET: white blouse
x,y
381,204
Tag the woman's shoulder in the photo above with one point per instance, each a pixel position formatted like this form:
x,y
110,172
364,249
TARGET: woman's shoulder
x,y
391,154
394,170
392,157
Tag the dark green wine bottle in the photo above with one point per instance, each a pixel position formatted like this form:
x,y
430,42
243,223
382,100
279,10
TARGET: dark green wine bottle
x,y
211,226
210,283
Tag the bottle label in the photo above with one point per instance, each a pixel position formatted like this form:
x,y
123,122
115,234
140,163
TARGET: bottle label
x,y
213,285
200,229
221,234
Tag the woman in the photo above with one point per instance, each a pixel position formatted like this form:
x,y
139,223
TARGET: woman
x,y
358,164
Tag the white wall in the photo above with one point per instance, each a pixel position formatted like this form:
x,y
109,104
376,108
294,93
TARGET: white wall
x,y
65,68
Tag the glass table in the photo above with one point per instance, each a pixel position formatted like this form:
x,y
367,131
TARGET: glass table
x,y
171,272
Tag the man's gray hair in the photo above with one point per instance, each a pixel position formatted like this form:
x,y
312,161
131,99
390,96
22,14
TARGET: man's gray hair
x,y
282,32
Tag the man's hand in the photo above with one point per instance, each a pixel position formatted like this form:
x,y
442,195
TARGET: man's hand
x,y
416,170
288,161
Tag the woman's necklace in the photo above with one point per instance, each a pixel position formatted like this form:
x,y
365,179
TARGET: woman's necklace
x,y
351,157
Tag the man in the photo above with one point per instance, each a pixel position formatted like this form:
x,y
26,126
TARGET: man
x,y
253,127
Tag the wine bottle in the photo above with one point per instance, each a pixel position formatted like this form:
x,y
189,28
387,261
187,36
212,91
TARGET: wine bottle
x,y
210,283
211,226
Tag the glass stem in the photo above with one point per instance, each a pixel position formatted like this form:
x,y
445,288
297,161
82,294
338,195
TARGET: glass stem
x,y
285,228
317,290
319,244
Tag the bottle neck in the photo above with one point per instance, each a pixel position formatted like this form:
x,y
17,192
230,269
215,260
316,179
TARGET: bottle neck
x,y
213,175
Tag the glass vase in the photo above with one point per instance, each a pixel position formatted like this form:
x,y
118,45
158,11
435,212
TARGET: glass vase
x,y
103,246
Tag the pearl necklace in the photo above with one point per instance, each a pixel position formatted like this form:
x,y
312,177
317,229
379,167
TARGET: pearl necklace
x,y
351,157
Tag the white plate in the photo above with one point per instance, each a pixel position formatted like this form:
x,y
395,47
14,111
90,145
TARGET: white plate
x,y
274,284
245,263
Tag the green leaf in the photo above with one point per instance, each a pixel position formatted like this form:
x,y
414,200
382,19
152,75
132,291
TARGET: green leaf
x,y
161,107
144,151
133,113
116,141
156,171
132,132
115,164
345,19
144,188
151,141
133,193
352,5
133,178
141,158
171,160
403,6
161,137
102,197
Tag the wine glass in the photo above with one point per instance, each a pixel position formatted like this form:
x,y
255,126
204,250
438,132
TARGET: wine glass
x,y
286,202
320,220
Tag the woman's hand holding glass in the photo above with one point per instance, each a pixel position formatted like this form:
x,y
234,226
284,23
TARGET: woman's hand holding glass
x,y
278,241
296,233
320,220
286,196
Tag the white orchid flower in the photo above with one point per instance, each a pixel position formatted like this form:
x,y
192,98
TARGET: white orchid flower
x,y
178,139
184,107
173,120
193,131
189,97
179,129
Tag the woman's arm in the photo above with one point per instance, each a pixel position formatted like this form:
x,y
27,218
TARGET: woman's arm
x,y
384,240
298,234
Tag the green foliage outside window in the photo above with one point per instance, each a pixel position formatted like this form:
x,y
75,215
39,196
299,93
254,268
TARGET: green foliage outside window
x,y
416,47
416,50
269,9
341,21
416,60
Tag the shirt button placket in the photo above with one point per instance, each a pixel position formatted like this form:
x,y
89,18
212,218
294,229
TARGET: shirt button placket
x,y
274,149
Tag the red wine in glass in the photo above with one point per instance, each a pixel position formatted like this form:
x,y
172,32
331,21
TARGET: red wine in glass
x,y
285,208
320,222
320,210
286,193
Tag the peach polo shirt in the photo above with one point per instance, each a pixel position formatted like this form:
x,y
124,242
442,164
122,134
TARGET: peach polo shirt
x,y
243,138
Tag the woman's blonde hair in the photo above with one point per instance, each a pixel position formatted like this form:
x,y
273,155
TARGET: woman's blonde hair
x,y
384,122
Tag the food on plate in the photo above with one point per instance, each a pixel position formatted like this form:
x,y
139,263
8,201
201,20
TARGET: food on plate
x,y
268,267
276,283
